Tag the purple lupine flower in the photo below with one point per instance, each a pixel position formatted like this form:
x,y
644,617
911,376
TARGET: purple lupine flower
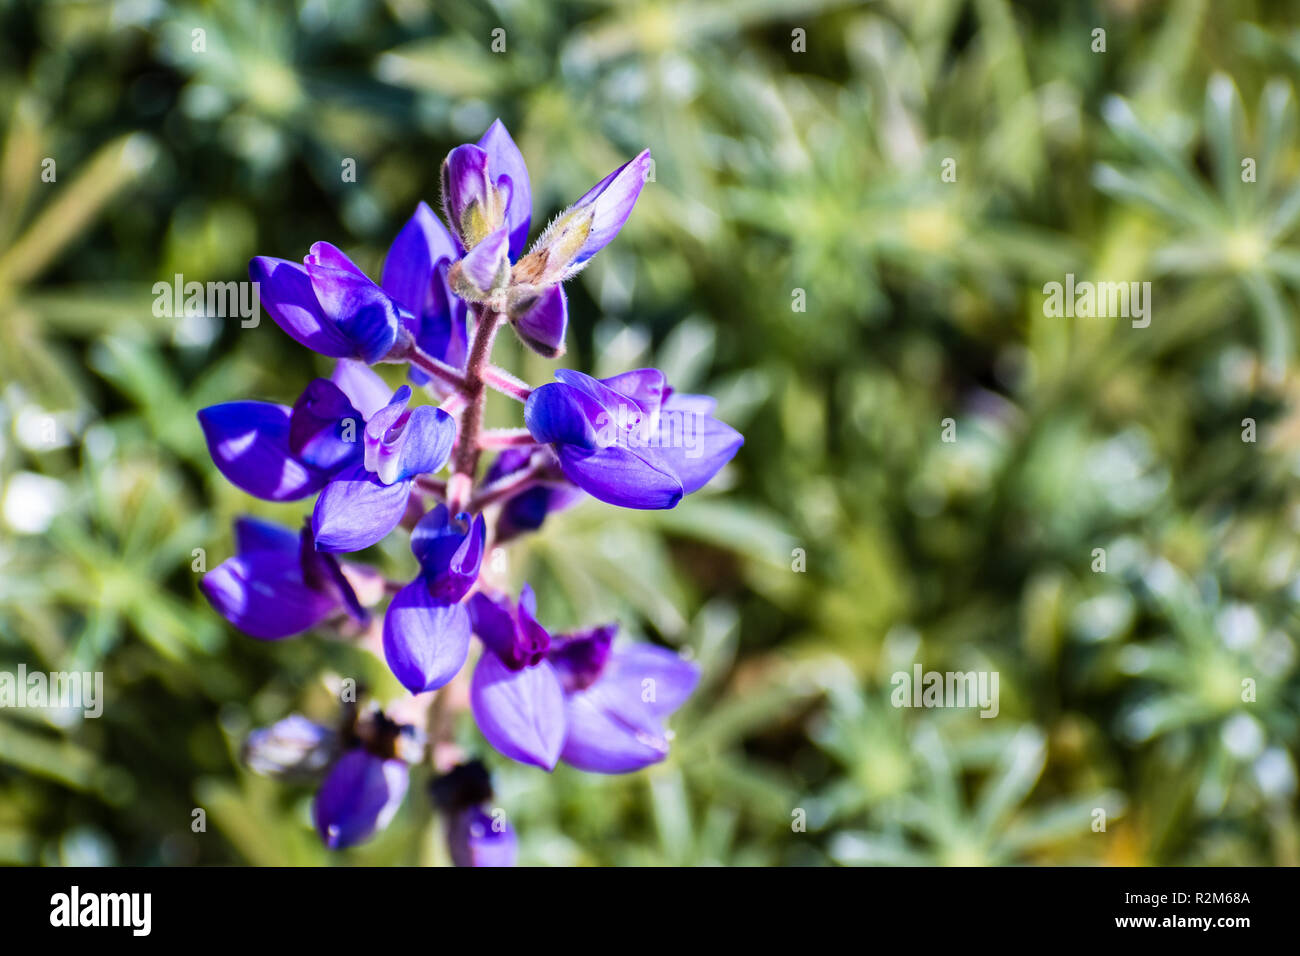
x,y
475,837
360,795
415,274
362,503
329,305
426,629
616,698
487,202
278,584
580,698
280,453
515,695
630,440
526,510
363,768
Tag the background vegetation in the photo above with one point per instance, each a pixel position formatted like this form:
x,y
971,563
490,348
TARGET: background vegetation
x,y
776,171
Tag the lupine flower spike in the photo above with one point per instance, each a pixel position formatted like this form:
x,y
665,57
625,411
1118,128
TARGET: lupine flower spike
x,y
372,456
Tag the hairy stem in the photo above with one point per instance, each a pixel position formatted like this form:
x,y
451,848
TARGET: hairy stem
x,y
505,438
465,461
436,367
506,384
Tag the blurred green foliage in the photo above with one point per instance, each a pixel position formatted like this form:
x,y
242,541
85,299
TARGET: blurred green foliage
x,y
777,170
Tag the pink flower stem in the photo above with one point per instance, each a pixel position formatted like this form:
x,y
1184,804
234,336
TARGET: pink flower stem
x,y
506,384
465,458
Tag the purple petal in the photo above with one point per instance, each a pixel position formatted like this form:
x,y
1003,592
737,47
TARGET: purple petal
x,y
467,193
493,622
356,510
521,713
620,476
255,534
400,444
543,321
598,742
613,198
694,446
408,269
331,257
367,392
476,839
648,679
425,641
450,555
556,413
645,386
263,594
249,443
360,310
324,428
615,725
285,290
487,265
504,159
579,659
360,795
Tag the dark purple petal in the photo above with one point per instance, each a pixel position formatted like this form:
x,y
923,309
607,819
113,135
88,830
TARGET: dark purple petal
x,y
613,198
249,443
476,839
450,554
285,290
579,659
620,476
361,311
356,510
360,795
541,323
293,748
367,392
425,641
505,160
521,713
255,534
324,428
401,443
263,594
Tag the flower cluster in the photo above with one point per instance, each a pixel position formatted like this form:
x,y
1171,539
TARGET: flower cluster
x,y
372,457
